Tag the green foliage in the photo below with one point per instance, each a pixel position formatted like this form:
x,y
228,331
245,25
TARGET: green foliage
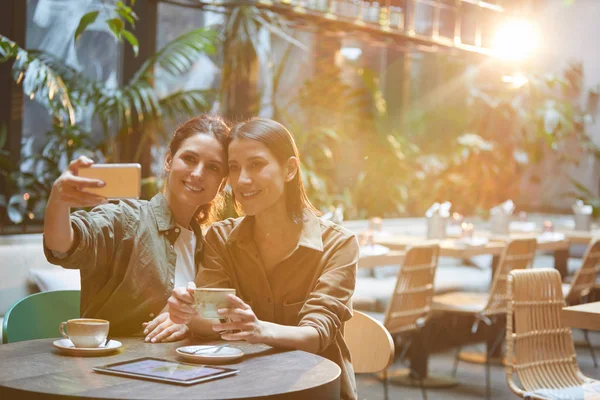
x,y
504,132
351,152
85,21
322,117
39,80
240,41
39,170
123,14
65,92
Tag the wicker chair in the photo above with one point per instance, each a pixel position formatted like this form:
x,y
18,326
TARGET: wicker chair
x,y
410,305
487,307
583,282
539,349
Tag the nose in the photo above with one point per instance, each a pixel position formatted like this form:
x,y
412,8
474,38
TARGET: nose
x,y
244,178
198,171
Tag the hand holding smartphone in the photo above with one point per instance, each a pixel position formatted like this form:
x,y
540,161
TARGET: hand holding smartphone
x,y
121,180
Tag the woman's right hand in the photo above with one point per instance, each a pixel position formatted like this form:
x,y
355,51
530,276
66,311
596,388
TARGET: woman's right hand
x,y
181,303
69,188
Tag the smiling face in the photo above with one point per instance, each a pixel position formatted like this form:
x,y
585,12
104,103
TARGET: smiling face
x,y
196,173
257,178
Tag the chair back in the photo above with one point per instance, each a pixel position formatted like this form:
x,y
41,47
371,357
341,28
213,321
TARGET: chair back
x,y
539,349
37,316
410,305
585,278
518,254
370,344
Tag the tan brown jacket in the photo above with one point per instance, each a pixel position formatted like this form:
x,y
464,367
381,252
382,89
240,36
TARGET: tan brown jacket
x,y
313,286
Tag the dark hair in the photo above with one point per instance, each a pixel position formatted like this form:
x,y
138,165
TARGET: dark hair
x,y
281,144
205,125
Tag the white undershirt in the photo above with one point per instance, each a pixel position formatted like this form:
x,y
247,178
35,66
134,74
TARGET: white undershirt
x,y
185,270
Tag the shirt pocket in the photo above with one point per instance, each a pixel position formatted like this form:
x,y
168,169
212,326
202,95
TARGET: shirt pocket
x,y
291,313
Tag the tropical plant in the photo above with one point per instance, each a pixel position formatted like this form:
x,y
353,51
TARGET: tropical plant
x,y
323,117
121,13
65,92
508,132
244,50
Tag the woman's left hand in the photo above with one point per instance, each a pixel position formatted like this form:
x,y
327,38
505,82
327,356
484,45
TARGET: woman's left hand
x,y
243,319
162,330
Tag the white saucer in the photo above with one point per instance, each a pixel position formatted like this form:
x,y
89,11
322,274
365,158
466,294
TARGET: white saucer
x,y
373,250
67,347
210,354
551,237
473,242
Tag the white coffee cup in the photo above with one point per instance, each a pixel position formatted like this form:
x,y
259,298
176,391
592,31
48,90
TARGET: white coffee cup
x,y
208,300
85,332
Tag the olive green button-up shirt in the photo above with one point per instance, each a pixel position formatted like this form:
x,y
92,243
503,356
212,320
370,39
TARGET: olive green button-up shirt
x,y
125,252
313,286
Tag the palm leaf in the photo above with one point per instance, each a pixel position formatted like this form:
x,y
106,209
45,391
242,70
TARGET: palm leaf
x,y
178,56
39,79
186,102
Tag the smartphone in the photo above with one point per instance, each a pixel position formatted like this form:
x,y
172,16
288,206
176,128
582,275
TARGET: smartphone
x,y
122,180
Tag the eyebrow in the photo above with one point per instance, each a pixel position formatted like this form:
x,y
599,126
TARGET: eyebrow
x,y
198,155
255,158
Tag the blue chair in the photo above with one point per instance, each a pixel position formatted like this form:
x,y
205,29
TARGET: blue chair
x,y
37,316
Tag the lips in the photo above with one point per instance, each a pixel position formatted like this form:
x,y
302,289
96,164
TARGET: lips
x,y
249,195
192,188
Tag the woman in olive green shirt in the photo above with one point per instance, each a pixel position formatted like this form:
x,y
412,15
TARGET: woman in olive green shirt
x,y
131,253
294,273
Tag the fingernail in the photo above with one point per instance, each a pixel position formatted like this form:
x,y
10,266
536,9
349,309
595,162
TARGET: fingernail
x,y
221,311
147,340
153,340
217,328
146,332
101,184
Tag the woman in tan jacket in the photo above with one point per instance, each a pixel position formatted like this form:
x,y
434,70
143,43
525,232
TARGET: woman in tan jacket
x,y
294,273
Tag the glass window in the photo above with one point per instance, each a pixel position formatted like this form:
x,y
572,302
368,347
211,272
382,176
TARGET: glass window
x,y
468,26
423,19
51,25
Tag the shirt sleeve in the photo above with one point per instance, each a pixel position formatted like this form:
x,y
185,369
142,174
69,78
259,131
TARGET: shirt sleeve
x,y
97,234
329,305
212,271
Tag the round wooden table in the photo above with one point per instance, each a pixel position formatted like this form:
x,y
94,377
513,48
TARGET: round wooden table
x,y
36,369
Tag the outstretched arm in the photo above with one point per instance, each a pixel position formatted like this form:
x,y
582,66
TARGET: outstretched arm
x,y
68,191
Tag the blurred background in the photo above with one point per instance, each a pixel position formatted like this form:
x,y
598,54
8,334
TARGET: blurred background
x,y
395,104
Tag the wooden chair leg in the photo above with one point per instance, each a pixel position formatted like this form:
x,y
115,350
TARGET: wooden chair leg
x,y
423,391
490,351
456,359
592,351
488,384
385,385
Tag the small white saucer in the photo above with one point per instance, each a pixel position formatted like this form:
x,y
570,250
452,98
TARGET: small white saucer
x,y
210,354
551,237
373,250
473,242
67,347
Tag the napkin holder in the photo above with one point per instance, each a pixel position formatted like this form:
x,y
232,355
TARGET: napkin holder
x,y
500,224
436,227
583,222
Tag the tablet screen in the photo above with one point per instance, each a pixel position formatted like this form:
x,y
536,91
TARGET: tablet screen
x,y
165,370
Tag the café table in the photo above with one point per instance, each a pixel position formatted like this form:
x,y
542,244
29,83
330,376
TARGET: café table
x,y
394,257
580,237
582,316
36,369
452,247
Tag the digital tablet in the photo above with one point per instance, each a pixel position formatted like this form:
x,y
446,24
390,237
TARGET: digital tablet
x,y
121,180
156,369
